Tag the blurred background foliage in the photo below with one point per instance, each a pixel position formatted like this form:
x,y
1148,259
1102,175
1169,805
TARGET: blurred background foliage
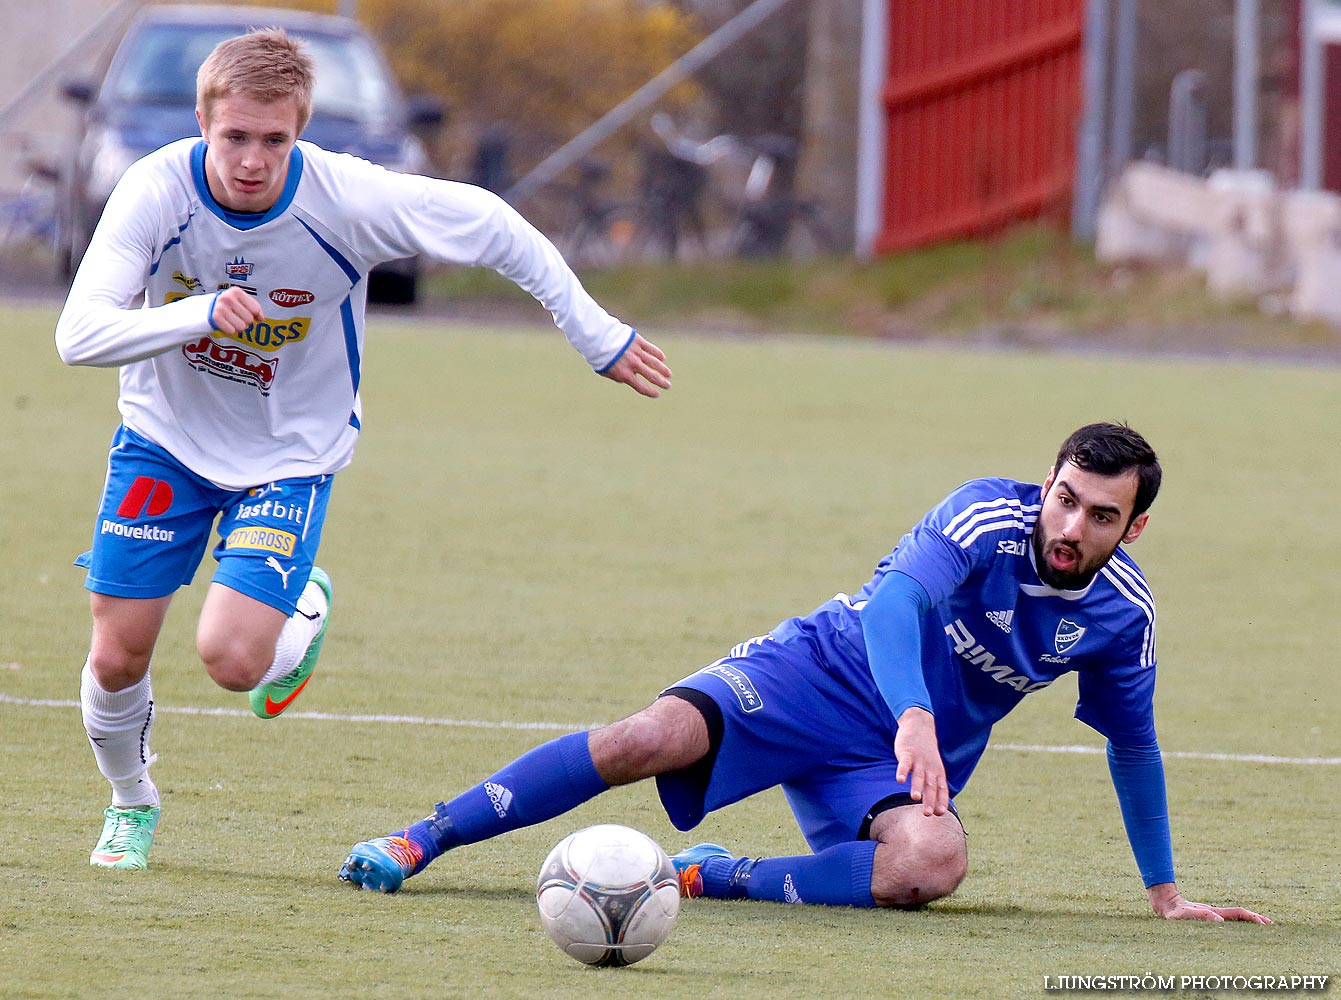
x,y
532,72
519,78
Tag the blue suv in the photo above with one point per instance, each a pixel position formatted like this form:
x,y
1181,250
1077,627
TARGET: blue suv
x,y
147,99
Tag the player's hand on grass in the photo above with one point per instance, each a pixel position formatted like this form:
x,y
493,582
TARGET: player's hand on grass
x,y
642,367
920,763
234,311
1168,902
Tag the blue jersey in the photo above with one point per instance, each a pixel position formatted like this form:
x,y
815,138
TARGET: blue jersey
x,y
995,631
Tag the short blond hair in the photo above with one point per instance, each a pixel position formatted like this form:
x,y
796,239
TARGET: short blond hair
x,y
264,64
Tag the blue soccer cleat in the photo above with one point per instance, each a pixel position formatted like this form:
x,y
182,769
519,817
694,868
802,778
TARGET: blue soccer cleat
x,y
689,862
381,864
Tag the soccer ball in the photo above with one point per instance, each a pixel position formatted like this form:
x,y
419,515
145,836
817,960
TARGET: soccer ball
x,y
608,895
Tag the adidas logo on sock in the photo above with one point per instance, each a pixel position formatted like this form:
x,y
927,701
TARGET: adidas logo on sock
x,y
789,893
499,796
1001,619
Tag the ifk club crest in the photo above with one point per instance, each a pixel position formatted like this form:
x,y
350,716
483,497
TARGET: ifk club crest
x,y
1068,634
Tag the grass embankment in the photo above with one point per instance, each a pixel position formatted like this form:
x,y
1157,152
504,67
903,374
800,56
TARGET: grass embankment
x,y
1030,287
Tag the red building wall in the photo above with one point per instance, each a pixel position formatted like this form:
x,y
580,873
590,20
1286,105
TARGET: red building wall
x,y
1331,123
981,103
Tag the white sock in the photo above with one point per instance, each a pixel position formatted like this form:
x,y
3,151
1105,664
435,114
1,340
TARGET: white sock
x,y
297,633
118,725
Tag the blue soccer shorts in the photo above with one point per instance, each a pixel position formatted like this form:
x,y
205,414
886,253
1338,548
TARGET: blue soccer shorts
x,y
155,518
777,716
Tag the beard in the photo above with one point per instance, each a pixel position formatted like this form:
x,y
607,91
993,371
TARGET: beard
x,y
1073,579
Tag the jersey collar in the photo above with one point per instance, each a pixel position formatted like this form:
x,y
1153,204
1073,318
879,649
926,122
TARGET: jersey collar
x,y
245,220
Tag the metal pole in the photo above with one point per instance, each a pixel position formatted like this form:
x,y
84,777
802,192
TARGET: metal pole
x,y
1122,132
1310,98
1187,122
642,99
1247,43
871,126
1089,144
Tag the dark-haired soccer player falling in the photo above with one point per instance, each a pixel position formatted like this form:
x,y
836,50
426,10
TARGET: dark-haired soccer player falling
x,y
872,711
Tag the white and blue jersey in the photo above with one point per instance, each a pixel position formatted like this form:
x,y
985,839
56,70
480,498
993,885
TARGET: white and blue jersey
x,y
281,399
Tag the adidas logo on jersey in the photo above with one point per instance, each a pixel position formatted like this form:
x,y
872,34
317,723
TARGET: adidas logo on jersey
x,y
1001,619
500,797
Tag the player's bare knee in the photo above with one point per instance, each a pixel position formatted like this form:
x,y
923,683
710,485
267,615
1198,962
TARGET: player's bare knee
x,y
124,634
944,860
930,873
232,676
234,666
919,858
116,669
918,886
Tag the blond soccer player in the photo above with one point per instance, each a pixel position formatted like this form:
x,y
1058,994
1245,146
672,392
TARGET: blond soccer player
x,y
227,281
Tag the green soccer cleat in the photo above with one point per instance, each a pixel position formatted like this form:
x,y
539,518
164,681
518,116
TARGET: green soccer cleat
x,y
127,835
269,700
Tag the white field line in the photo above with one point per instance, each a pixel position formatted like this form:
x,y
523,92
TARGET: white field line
x,y
420,720
401,720
1241,758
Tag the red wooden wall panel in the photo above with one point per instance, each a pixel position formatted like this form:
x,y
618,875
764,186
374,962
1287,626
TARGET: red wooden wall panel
x,y
981,104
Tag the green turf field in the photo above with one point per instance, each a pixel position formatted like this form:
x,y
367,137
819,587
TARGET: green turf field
x,y
520,545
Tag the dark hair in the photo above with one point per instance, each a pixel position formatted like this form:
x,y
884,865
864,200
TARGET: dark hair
x,y
1114,450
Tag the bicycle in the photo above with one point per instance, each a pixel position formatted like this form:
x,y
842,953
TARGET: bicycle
x,y
768,219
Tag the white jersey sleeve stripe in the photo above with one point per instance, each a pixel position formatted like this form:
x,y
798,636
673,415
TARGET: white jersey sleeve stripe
x,y
1024,524
1124,587
1003,514
968,513
1135,587
974,514
1122,563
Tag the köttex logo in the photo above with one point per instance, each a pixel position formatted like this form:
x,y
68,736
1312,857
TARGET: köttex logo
x,y
290,297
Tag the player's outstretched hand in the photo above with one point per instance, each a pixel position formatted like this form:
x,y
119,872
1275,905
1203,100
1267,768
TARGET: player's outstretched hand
x,y
234,311
920,763
642,367
1168,902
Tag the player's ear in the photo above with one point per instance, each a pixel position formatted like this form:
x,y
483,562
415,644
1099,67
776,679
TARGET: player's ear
x,y
1136,527
200,120
1047,483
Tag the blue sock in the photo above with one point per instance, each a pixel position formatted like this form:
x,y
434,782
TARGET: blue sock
x,y
838,876
543,783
